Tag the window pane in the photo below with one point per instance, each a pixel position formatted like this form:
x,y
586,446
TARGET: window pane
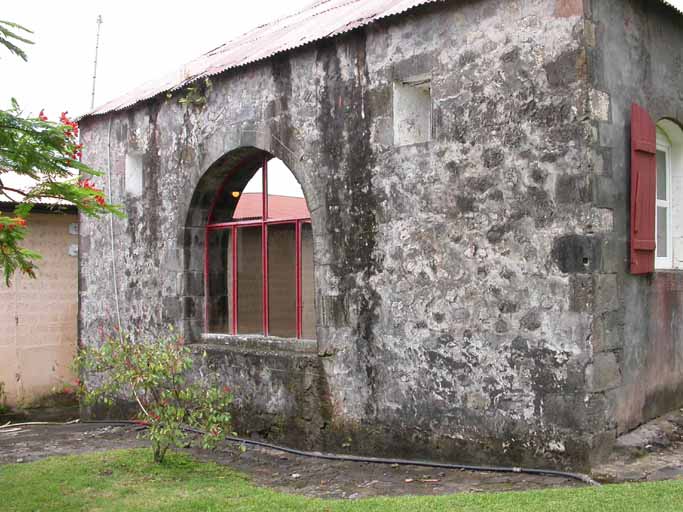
x,y
249,281
218,290
661,176
239,197
250,204
307,283
662,238
282,280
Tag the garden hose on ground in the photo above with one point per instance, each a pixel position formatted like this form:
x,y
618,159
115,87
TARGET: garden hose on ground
x,y
347,458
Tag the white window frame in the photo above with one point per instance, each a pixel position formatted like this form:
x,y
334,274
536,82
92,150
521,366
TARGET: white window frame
x,y
665,262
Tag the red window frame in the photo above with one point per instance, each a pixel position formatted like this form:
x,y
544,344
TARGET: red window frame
x,y
264,222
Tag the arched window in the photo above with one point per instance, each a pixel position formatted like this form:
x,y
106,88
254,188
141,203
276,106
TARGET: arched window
x,y
258,259
669,210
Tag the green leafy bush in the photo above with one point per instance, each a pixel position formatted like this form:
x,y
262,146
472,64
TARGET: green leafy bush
x,y
156,374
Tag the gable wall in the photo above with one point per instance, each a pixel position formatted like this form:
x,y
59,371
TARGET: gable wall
x,y
454,278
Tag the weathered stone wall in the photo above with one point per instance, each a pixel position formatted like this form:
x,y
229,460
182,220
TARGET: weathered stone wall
x,y
455,278
637,339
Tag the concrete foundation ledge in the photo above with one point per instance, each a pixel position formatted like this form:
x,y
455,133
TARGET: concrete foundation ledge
x,y
257,344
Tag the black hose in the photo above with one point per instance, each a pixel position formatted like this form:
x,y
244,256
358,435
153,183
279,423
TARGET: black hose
x,y
404,462
376,460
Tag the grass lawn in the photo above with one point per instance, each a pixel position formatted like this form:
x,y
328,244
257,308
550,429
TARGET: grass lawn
x,y
127,480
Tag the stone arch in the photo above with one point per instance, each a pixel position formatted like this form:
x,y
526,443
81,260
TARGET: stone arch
x,y
236,167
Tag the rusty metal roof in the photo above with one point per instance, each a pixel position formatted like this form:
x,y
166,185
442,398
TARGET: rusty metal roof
x,y
279,207
670,3
320,20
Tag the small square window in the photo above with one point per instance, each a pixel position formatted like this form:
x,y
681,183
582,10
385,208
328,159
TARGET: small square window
x,y
134,174
413,110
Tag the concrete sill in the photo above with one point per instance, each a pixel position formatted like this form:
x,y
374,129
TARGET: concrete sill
x,y
260,344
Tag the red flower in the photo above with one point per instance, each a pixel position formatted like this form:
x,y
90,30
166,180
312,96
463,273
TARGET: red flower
x,y
87,184
42,115
226,389
21,222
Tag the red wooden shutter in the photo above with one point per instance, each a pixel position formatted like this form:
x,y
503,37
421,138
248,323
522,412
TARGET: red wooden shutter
x,y
643,190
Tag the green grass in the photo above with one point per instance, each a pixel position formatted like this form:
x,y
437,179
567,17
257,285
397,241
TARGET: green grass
x,y
129,481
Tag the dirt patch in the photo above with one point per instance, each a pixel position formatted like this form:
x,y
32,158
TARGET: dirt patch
x,y
652,452
27,444
286,473
332,479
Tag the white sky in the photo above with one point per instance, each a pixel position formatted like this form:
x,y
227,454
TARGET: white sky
x,y
140,40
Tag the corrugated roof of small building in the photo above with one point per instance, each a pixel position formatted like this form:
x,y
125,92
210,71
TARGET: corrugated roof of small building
x,y
8,207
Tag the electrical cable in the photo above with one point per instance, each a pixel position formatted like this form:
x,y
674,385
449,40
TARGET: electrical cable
x,y
111,232
401,462
353,458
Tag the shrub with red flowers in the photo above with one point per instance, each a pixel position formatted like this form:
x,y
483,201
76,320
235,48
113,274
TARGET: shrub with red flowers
x,y
47,155
155,372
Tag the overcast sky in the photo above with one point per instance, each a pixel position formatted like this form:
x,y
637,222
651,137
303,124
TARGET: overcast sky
x,y
140,40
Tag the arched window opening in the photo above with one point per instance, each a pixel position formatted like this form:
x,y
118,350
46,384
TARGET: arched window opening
x,y
258,265
669,207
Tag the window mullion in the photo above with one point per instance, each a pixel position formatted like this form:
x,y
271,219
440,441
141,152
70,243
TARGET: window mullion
x,y
206,280
235,283
299,308
669,210
264,250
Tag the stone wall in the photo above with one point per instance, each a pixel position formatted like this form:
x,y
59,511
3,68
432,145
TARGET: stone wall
x,y
638,57
456,279
38,318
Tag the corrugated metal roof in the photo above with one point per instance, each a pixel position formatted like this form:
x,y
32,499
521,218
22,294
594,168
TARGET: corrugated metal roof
x,y
6,207
279,207
677,7
322,19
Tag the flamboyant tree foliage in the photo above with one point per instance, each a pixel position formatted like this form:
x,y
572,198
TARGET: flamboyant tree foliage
x,y
47,155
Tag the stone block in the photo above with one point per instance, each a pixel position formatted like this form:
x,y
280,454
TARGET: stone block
x,y
606,296
576,253
600,105
608,332
604,374
581,297
614,255
605,192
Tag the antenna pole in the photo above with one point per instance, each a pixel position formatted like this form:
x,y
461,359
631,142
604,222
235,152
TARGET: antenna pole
x,y
97,48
